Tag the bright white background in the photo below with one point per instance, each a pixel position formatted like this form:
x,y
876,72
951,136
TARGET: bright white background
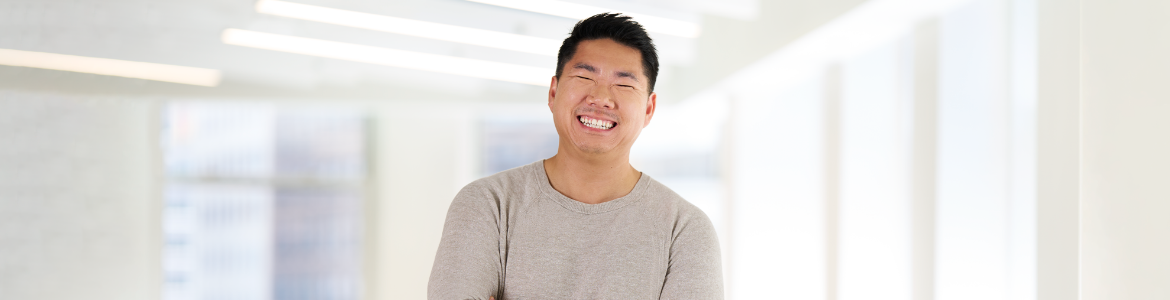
x,y
845,149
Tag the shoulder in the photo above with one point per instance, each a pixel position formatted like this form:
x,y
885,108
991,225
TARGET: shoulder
x,y
678,210
501,186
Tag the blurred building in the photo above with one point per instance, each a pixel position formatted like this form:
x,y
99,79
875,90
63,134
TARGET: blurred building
x,y
263,202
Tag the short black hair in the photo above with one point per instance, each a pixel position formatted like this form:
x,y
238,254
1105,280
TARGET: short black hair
x,y
619,28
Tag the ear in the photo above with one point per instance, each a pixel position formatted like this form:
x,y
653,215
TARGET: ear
x,y
651,104
552,91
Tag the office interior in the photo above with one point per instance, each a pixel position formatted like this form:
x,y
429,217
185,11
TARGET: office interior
x,y
844,149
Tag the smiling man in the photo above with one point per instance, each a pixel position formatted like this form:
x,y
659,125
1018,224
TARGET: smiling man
x,y
583,224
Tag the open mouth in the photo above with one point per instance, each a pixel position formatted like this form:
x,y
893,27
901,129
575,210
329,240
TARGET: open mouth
x,y
596,123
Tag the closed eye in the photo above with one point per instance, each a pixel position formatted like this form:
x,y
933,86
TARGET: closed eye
x,y
586,78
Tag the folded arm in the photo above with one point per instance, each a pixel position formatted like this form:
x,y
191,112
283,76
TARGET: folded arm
x,y
695,270
468,263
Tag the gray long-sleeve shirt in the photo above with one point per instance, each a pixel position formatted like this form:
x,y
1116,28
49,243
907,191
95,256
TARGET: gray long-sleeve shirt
x,y
512,236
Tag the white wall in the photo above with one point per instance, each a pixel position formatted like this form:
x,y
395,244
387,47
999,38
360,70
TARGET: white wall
x,y
1125,126
78,198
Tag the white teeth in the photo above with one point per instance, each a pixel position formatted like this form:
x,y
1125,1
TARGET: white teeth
x,y
595,123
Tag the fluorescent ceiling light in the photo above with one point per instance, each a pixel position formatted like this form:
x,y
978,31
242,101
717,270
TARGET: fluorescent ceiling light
x,y
111,67
581,11
444,32
390,57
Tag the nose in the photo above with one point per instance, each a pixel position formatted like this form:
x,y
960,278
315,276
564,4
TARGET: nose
x,y
601,96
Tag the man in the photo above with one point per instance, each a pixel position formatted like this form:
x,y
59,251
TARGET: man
x,y
583,224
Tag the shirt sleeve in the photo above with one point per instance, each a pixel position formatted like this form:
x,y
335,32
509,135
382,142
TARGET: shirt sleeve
x,y
696,269
468,263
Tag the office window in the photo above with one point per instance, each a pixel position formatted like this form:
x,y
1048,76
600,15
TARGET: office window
x,y
263,202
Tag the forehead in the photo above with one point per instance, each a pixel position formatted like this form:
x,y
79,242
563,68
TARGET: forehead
x,y
608,56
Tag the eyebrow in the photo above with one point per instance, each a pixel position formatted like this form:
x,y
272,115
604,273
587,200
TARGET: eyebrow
x,y
586,67
628,75
592,69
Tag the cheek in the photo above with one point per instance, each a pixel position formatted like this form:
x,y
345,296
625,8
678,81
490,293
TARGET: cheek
x,y
562,107
633,107
634,118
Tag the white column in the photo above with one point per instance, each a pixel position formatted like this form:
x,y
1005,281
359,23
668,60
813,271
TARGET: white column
x,y
831,90
924,155
1058,147
1125,123
422,157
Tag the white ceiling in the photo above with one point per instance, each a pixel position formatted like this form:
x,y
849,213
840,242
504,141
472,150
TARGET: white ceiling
x,y
187,33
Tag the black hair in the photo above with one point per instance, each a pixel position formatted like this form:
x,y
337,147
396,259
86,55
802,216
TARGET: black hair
x,y
619,28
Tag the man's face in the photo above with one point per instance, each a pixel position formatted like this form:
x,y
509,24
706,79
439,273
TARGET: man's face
x,y
601,101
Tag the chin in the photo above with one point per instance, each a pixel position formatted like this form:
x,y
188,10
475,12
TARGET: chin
x,y
594,148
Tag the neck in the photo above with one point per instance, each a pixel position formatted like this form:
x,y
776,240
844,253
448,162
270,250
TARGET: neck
x,y
591,179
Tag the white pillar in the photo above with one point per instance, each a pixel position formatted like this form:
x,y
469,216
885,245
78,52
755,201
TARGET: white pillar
x,y
1057,149
423,157
924,156
1125,127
